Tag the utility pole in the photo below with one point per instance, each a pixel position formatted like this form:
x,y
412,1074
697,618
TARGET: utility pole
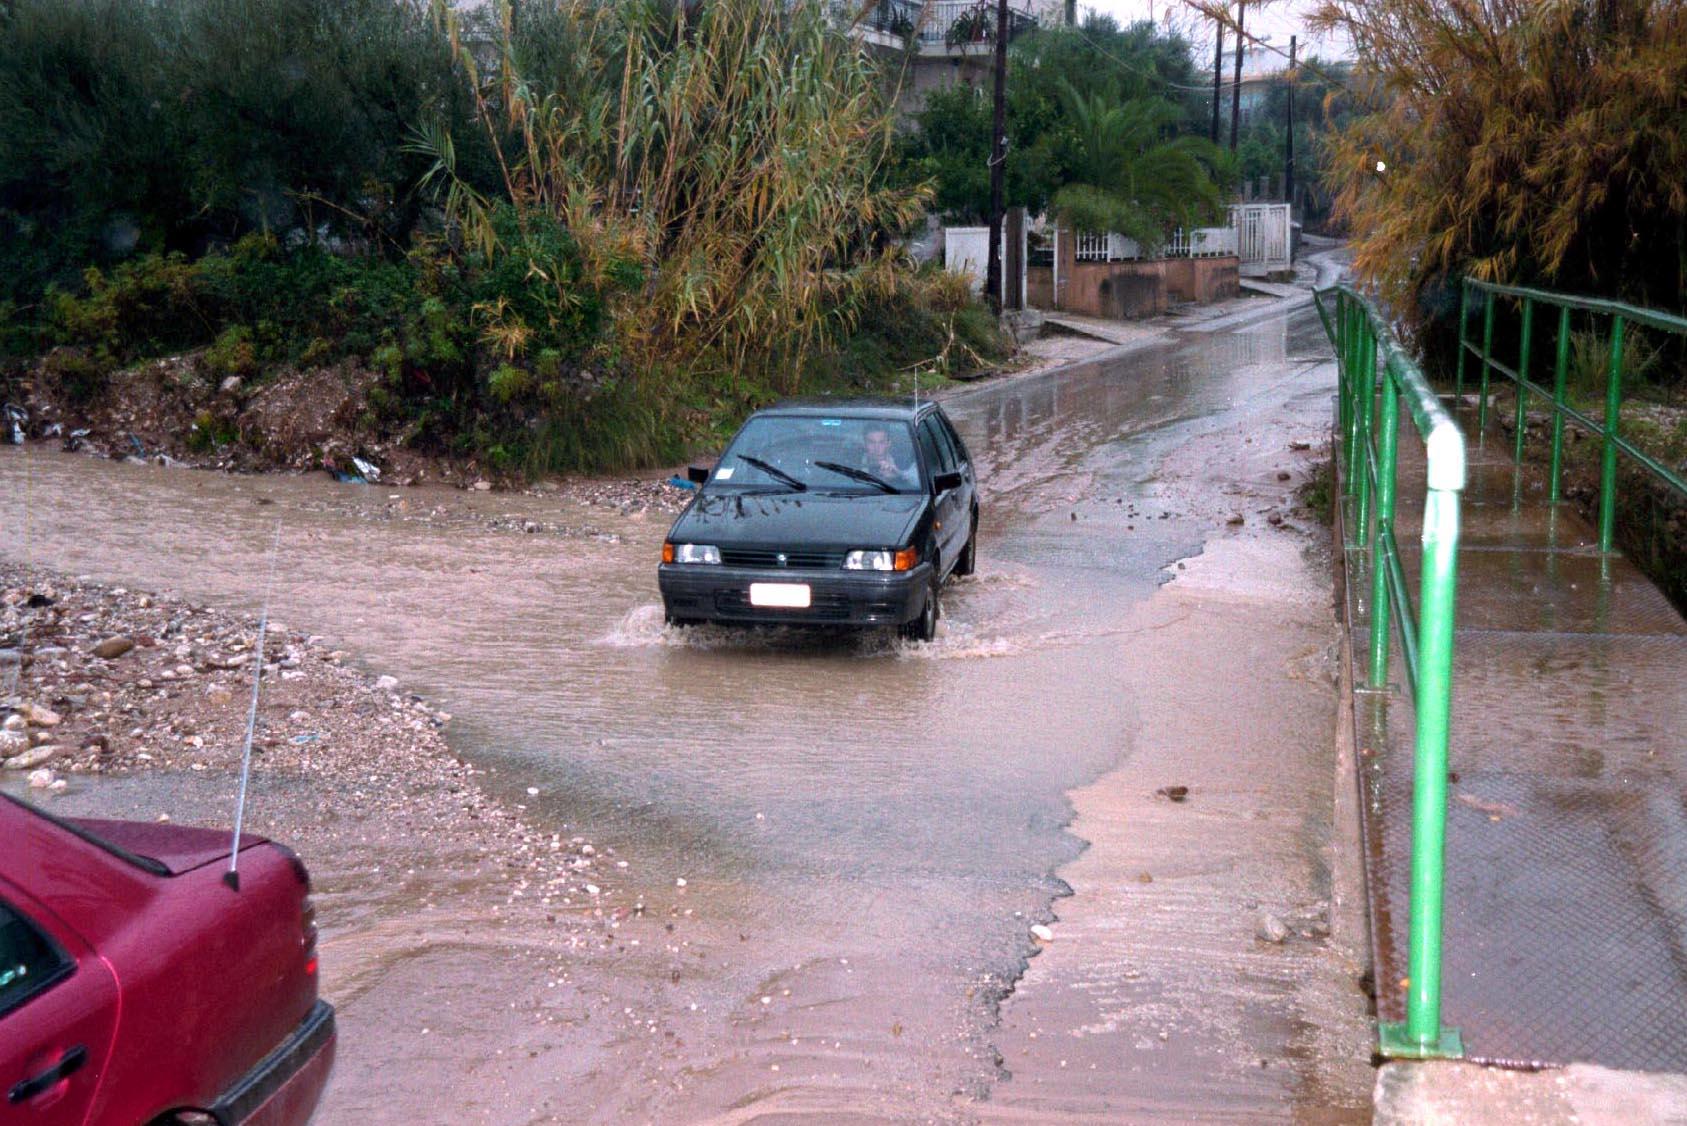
x,y
998,157
1289,155
1218,74
1236,87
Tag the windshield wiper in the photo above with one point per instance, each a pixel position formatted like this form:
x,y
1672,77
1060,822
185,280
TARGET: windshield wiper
x,y
775,471
859,475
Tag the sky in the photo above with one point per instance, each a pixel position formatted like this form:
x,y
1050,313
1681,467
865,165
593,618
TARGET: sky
x,y
1274,23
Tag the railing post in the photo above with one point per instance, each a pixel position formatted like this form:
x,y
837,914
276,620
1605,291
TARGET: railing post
x,y
1366,384
1560,369
1464,319
1608,464
1523,376
1487,350
1350,381
1389,432
1423,1034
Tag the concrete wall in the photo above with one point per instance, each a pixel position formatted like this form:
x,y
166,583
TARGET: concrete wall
x,y
1127,290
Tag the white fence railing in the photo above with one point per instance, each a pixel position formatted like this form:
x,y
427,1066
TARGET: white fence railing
x,y
1106,248
1202,242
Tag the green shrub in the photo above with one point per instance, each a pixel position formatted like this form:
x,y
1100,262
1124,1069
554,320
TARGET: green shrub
x,y
232,353
79,377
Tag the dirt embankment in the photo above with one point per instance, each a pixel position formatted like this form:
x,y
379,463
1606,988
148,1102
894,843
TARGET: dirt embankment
x,y
181,410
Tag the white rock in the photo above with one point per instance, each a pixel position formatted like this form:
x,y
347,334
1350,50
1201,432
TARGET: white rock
x,y
679,883
39,716
29,760
386,684
15,723
40,779
1041,933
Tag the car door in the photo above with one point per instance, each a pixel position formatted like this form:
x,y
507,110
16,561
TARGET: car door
x,y
58,1012
951,518
963,463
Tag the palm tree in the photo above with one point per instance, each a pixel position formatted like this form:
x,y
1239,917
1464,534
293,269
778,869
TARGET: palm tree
x,y
1129,175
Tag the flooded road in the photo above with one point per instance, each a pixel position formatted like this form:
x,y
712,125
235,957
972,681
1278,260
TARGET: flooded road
x,y
859,831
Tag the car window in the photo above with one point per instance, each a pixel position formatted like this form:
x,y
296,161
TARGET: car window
x,y
945,442
788,451
947,428
937,451
29,960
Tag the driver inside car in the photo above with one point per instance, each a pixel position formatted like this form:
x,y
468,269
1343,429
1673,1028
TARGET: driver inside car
x,y
889,460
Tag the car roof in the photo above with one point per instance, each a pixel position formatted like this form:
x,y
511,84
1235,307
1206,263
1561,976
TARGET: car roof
x,y
864,407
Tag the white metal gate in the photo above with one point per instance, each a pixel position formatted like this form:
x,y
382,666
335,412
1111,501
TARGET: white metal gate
x,y
1262,236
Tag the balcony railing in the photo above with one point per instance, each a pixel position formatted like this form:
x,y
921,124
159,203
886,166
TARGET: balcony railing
x,y
959,23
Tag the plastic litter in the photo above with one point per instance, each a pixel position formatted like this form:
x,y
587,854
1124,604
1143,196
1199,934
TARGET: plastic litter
x,y
681,483
370,471
14,419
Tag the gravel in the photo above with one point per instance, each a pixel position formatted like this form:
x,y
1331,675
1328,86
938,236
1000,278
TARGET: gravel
x,y
362,764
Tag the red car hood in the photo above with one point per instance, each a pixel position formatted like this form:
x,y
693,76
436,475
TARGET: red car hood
x,y
178,847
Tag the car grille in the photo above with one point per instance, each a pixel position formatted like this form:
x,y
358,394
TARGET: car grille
x,y
829,606
755,557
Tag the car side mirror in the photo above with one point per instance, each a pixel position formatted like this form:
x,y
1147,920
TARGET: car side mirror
x,y
943,482
697,474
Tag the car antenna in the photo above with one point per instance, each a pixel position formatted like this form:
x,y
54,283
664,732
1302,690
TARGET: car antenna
x,y
232,876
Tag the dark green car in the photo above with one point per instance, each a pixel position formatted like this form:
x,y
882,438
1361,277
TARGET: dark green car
x,y
827,514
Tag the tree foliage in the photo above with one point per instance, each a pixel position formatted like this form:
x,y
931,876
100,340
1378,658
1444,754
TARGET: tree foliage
x,y
733,149
1531,142
1099,61
1128,174
127,127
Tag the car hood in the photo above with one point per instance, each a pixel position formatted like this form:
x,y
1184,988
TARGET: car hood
x,y
800,519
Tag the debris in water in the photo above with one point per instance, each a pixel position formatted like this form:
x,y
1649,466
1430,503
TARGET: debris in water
x,y
1041,933
1495,810
1271,929
1173,793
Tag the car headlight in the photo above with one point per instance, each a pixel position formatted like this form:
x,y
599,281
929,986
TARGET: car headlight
x,y
868,561
877,560
690,553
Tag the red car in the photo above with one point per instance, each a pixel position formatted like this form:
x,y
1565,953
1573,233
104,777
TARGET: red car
x,y
138,988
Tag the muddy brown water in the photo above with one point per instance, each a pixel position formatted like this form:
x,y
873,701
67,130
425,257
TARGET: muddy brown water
x,y
877,823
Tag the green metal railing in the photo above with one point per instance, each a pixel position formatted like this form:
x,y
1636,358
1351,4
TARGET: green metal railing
x,y
1368,422
1608,429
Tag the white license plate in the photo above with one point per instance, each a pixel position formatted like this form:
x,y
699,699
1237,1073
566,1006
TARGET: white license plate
x,y
792,596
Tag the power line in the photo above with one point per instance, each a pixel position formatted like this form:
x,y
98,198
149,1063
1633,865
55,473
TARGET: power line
x,y
1206,86
1198,7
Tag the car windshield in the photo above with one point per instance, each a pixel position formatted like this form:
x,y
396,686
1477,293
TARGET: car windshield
x,y
796,453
